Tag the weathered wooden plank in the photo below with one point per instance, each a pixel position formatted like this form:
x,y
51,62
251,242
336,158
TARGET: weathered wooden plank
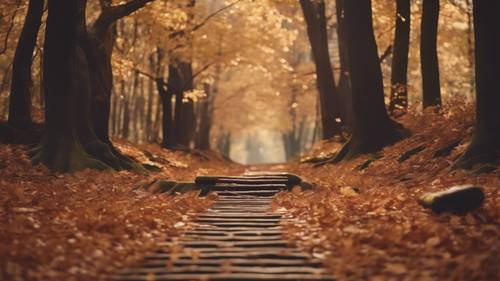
x,y
227,268
266,253
239,215
225,277
235,233
233,219
230,238
237,262
227,244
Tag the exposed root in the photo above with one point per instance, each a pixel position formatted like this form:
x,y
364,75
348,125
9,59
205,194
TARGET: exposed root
x,y
65,156
477,154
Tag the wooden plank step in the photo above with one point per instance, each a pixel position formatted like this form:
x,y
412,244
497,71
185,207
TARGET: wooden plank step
x,y
233,219
283,250
244,197
273,187
235,233
240,203
226,268
236,224
231,238
266,254
225,277
226,244
263,193
239,215
236,262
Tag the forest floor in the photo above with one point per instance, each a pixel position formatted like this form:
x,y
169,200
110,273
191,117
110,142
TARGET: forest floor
x,y
366,224
89,224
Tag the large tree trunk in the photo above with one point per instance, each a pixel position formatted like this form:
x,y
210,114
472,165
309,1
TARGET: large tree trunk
x,y
485,145
166,102
205,120
184,119
100,48
373,129
61,150
314,15
344,85
428,54
20,94
399,87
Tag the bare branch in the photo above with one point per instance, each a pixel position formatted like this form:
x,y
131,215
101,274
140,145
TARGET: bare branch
x,y
386,53
204,21
9,30
114,13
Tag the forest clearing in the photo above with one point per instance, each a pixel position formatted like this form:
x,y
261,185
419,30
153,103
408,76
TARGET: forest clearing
x,y
249,140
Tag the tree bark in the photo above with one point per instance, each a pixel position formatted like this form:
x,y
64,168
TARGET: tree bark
x,y
485,144
184,117
428,54
399,68
167,120
373,129
20,94
61,150
314,15
205,120
344,85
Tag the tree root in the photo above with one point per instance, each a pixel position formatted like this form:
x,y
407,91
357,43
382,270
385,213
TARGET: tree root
x,y
356,147
477,154
65,156
410,153
446,150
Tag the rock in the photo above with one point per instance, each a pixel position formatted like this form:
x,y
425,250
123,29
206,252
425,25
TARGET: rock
x,y
458,199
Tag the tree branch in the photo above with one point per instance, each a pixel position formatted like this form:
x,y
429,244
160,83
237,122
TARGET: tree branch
x,y
204,21
7,35
114,13
386,53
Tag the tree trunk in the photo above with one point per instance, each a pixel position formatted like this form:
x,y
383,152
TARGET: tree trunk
x,y
399,85
184,119
373,129
344,85
428,54
485,145
205,120
314,15
61,150
20,94
167,120
149,105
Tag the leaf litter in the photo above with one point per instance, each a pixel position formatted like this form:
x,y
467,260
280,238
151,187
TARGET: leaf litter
x,y
367,223
87,225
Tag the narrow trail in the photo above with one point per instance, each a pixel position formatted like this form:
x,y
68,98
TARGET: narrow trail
x,y
238,238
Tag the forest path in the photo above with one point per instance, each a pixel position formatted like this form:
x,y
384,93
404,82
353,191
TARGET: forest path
x,y
238,238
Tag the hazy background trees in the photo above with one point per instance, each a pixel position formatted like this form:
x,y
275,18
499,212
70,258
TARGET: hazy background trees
x,y
253,66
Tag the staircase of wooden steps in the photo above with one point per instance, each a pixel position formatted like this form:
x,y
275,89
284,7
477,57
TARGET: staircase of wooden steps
x,y
238,238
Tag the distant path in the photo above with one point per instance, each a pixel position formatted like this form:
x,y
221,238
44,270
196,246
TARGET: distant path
x,y
239,238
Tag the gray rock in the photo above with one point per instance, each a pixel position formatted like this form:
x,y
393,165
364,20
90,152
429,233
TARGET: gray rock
x,y
458,199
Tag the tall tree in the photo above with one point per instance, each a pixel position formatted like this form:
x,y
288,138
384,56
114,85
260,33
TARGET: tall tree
x,y
373,129
61,149
20,93
485,144
428,53
314,15
184,118
344,84
399,88
99,49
